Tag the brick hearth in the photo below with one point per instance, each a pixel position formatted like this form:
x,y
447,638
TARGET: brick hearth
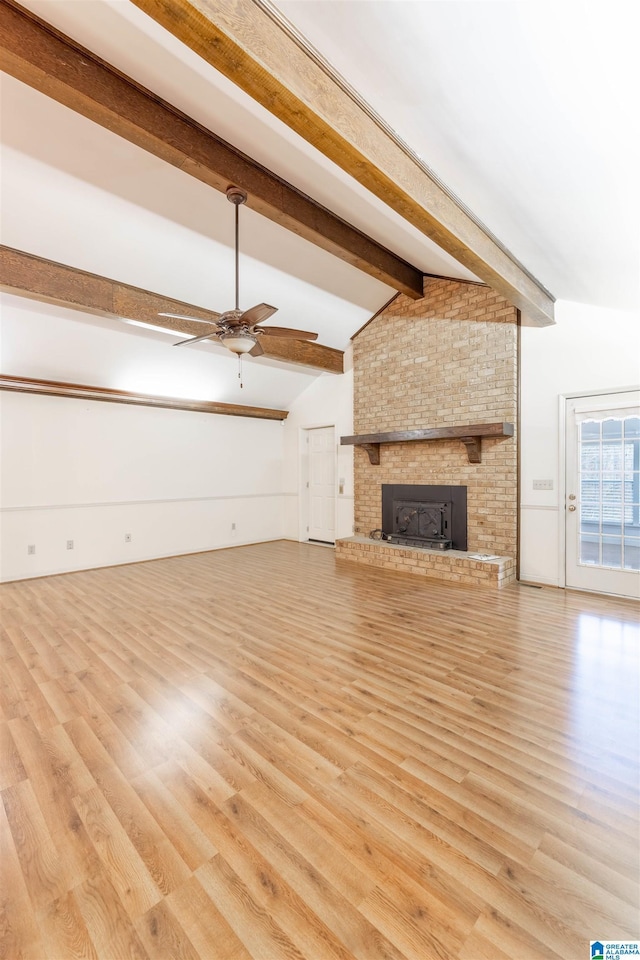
x,y
453,565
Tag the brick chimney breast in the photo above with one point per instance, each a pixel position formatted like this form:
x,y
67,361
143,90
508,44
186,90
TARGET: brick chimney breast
x,y
446,360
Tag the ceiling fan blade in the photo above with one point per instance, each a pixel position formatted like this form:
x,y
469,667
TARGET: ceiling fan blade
x,y
183,316
261,311
288,332
256,351
205,336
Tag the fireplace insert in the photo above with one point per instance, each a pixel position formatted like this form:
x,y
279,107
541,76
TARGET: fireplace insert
x,y
422,515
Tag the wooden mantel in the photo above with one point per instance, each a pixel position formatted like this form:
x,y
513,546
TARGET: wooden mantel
x,y
470,434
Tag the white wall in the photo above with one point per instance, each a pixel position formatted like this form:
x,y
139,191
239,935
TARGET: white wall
x,y
92,472
327,402
588,349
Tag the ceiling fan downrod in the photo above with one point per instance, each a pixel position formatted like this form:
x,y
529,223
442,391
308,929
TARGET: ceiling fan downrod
x,y
236,196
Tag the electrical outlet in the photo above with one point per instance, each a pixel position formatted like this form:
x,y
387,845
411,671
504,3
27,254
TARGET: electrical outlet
x,y
69,544
233,526
543,484
127,538
31,549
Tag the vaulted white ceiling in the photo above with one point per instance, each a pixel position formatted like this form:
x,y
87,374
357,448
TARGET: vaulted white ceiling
x,y
526,113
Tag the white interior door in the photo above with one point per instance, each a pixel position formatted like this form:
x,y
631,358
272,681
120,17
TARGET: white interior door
x,y
603,493
322,484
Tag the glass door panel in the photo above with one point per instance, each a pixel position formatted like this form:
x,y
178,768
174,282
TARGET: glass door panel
x,y
603,486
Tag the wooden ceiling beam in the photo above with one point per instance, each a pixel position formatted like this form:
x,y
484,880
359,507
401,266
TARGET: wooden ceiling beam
x,y
251,43
39,279
35,53
82,391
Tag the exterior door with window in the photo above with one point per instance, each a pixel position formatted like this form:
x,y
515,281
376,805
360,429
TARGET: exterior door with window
x,y
603,494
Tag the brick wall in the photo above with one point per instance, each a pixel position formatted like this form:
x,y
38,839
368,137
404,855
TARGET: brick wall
x,y
448,359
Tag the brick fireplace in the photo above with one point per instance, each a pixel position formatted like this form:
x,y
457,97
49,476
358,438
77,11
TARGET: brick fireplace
x,y
445,361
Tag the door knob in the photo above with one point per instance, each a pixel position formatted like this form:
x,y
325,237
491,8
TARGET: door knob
x,y
572,508
572,496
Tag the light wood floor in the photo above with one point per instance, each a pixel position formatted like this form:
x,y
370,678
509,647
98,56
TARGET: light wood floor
x,y
262,753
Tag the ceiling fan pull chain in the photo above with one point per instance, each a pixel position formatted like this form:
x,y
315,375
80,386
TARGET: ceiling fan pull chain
x,y
240,370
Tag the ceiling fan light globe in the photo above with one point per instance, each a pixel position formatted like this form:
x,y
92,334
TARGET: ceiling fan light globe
x,y
238,343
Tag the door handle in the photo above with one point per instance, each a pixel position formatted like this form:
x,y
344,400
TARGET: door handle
x,y
572,508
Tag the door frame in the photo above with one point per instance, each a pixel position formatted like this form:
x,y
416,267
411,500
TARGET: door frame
x,y
562,471
303,478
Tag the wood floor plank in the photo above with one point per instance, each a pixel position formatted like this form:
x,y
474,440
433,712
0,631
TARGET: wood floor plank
x,y
468,756
350,763
276,817
153,845
416,924
49,663
58,700
45,873
186,836
205,926
514,943
530,821
19,931
147,732
201,738
585,865
252,924
225,708
434,802
364,939
265,772
55,780
400,808
112,739
302,764
64,932
352,835
28,691
11,703
130,878
163,935
12,769
269,888
108,923
552,885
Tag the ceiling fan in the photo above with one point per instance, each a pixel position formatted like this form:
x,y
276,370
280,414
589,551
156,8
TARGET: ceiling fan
x,y
236,329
